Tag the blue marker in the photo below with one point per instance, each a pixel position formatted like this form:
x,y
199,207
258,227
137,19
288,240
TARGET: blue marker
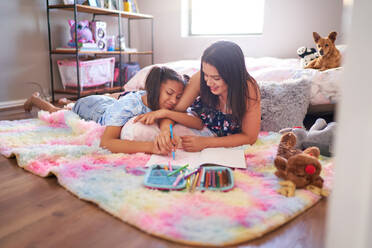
x,y
171,132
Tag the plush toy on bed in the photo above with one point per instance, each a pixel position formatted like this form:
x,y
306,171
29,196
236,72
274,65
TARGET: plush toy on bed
x,y
299,169
320,135
84,34
307,55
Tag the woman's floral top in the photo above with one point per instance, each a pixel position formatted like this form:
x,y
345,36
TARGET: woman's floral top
x,y
219,123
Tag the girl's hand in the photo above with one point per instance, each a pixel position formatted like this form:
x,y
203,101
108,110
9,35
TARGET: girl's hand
x,y
158,150
163,140
193,143
151,117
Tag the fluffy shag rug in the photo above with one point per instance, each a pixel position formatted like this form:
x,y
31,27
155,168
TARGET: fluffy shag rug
x,y
68,147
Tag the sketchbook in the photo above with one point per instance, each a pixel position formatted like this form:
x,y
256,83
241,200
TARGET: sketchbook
x,y
229,157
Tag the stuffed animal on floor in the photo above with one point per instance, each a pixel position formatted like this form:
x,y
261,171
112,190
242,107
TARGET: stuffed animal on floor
x,y
299,169
84,34
320,135
307,55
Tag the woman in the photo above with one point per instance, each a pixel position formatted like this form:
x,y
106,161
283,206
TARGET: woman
x,y
224,96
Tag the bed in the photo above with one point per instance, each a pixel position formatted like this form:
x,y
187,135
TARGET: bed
x,y
278,74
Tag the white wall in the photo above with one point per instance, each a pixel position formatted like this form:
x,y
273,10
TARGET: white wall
x,y
288,24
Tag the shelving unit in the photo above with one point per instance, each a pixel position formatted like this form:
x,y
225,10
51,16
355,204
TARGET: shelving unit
x,y
78,8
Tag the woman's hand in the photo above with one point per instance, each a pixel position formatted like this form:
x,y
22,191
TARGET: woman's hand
x,y
193,143
151,117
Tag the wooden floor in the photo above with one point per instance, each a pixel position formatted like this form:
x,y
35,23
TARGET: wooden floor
x,y
37,212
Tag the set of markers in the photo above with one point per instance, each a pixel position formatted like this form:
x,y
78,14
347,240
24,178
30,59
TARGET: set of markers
x,y
206,177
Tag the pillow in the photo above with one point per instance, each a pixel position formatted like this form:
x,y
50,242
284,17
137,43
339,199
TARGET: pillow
x,y
284,104
137,82
188,67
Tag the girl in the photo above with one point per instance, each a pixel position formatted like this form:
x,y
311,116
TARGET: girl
x,y
225,98
163,90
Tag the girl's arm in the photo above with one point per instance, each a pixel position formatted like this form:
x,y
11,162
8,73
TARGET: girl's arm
x,y
250,129
185,119
111,140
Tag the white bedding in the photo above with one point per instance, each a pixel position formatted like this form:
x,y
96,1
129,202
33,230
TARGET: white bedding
x,y
324,84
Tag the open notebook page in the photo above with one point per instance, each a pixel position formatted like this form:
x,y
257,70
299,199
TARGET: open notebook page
x,y
229,157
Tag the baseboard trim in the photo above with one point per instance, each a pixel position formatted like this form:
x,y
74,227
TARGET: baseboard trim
x,y
12,104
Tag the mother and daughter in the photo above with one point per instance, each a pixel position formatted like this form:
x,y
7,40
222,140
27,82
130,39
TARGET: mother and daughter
x,y
222,98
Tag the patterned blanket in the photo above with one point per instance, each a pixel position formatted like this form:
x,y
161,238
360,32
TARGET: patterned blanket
x,y
68,147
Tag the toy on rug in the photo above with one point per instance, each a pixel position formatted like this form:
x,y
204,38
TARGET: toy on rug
x,y
320,135
84,34
329,55
299,169
307,55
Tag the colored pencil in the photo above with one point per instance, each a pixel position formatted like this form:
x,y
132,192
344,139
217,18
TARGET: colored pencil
x,y
178,170
171,132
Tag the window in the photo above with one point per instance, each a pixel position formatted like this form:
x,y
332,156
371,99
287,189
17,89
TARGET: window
x,y
225,17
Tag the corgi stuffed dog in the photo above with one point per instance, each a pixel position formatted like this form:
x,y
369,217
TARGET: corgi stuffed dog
x,y
329,55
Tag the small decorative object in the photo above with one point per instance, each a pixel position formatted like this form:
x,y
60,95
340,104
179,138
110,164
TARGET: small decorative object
x,y
121,43
111,43
307,55
84,34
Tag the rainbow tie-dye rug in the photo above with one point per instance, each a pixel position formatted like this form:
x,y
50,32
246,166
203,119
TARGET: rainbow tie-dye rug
x,y
68,147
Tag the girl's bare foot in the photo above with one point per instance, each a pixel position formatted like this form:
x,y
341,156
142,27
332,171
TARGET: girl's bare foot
x,y
64,101
28,104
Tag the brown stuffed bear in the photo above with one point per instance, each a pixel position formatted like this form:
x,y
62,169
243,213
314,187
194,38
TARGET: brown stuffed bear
x,y
300,169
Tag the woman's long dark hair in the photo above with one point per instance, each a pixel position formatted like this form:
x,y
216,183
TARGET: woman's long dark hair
x,y
155,78
227,57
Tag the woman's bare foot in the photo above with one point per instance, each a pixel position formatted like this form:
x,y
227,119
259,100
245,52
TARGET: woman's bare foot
x,y
28,104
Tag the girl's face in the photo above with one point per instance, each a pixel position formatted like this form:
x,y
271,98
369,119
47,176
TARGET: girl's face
x,y
213,79
170,94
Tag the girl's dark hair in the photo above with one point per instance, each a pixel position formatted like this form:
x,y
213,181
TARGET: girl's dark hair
x,y
227,57
155,78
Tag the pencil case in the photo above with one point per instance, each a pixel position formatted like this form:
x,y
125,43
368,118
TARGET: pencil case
x,y
216,178
157,177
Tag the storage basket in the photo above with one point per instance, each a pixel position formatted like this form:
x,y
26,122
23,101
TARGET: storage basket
x,y
92,72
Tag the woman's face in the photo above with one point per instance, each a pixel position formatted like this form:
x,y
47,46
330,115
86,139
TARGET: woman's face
x,y
170,94
213,79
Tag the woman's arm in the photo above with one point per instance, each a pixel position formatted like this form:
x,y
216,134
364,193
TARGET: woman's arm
x,y
185,119
250,129
111,140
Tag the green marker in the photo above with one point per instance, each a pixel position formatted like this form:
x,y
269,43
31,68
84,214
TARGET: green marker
x,y
178,170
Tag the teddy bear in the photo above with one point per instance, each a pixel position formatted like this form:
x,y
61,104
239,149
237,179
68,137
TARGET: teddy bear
x,y
320,135
299,169
307,55
84,34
